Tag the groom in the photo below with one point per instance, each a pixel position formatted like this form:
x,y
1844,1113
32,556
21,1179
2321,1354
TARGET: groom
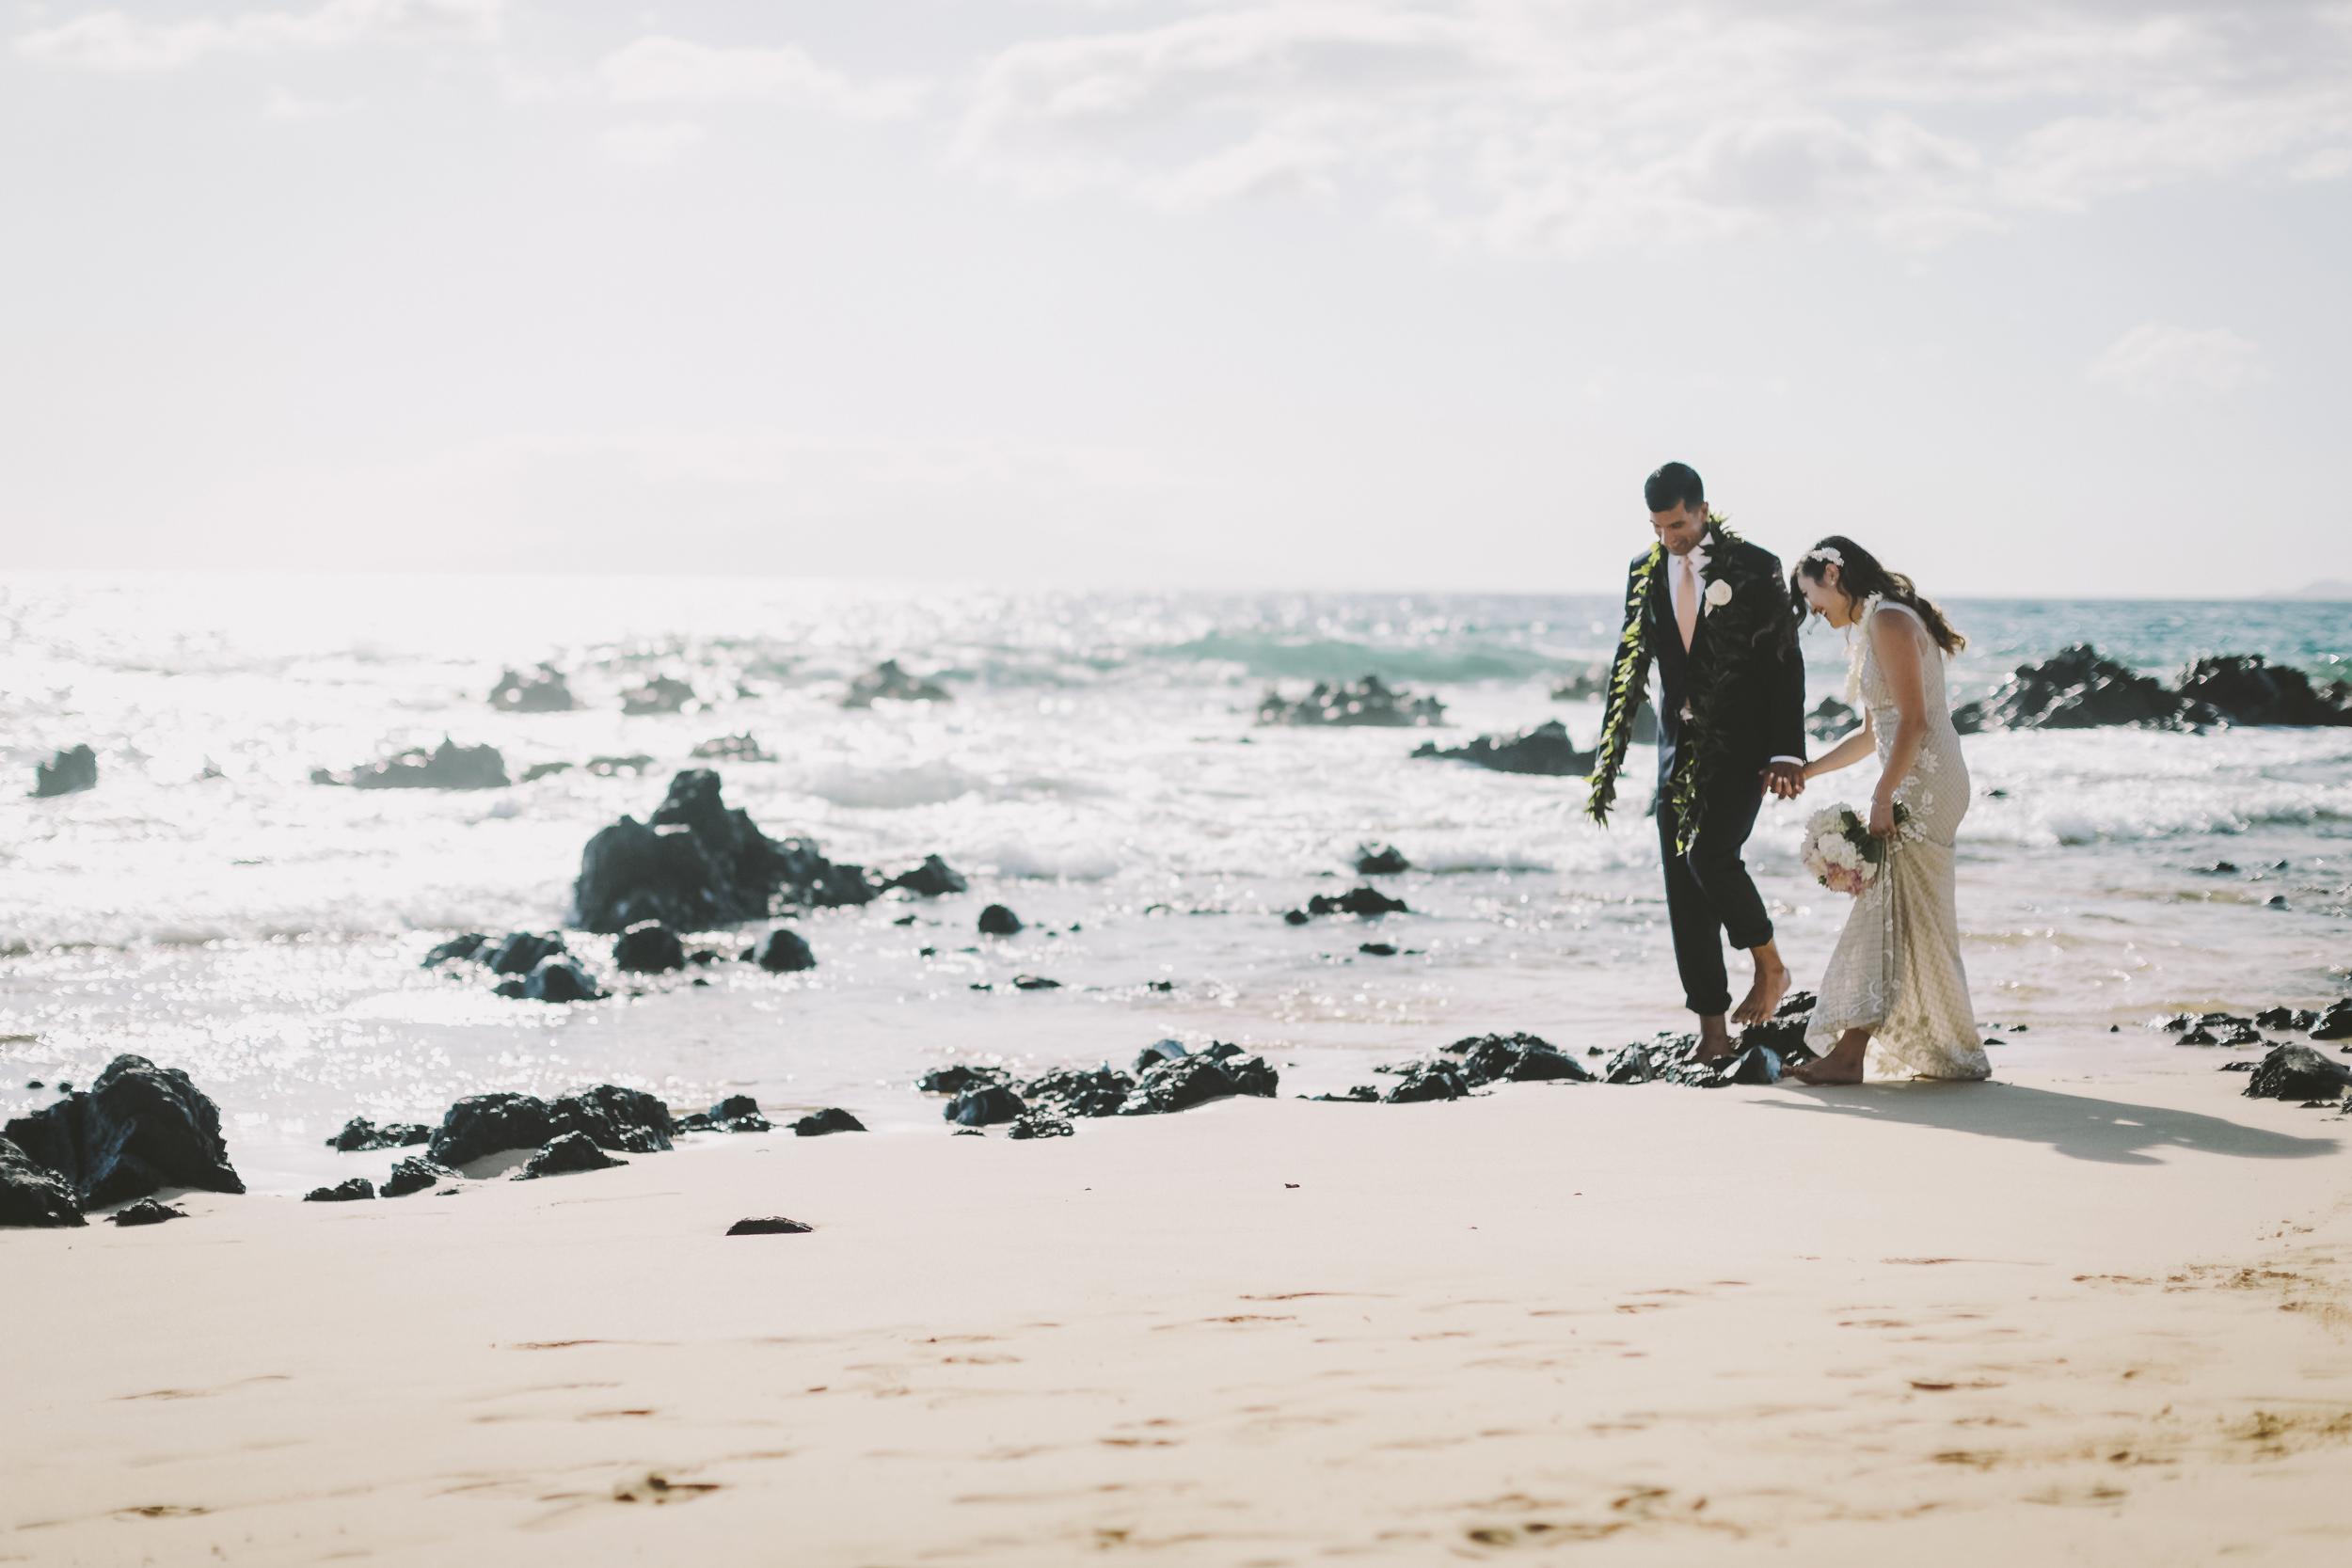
x,y
1713,610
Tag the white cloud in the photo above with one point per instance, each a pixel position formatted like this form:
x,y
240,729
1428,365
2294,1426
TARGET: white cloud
x,y
1567,124
2160,363
673,70
647,144
111,41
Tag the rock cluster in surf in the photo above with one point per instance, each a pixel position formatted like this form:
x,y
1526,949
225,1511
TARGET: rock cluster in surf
x,y
1367,702
2079,688
887,683
1546,749
447,766
695,864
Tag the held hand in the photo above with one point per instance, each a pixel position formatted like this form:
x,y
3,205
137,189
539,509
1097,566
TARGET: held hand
x,y
1882,817
1785,779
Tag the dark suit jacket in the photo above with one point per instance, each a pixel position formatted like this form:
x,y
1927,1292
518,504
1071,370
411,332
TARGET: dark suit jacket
x,y
1764,700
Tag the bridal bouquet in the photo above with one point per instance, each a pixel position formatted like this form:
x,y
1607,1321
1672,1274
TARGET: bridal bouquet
x,y
1840,850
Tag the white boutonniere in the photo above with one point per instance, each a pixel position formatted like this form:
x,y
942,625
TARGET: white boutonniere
x,y
1717,594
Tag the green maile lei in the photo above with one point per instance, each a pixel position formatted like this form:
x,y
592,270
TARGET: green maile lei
x,y
1737,621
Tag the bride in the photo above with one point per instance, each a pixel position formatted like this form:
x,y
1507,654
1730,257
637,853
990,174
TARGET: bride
x,y
1897,977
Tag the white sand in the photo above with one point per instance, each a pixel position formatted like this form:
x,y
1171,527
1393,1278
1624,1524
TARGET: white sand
x,y
2042,1320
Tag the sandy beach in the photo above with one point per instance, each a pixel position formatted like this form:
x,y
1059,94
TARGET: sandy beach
x,y
2071,1318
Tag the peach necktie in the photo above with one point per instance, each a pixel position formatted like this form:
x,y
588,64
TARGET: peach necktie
x,y
1687,604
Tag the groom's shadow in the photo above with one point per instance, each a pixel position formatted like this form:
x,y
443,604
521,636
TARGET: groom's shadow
x,y
2080,1127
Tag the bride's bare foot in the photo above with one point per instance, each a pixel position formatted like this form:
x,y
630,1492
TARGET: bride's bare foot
x,y
1715,1041
1828,1069
1771,984
1843,1065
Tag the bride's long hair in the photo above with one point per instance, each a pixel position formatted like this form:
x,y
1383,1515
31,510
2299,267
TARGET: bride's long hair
x,y
1860,574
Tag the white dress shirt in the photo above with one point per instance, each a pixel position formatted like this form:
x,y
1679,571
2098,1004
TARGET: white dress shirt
x,y
1698,558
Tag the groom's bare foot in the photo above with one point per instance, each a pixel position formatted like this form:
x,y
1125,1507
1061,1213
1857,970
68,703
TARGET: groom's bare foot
x,y
1715,1041
1771,984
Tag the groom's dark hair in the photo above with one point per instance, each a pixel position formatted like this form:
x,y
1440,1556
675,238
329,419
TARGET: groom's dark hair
x,y
1674,485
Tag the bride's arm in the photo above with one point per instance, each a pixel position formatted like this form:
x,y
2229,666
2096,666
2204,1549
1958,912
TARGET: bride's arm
x,y
1846,752
1894,641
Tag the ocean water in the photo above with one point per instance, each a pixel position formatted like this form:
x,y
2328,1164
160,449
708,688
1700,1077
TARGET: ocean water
x,y
1099,770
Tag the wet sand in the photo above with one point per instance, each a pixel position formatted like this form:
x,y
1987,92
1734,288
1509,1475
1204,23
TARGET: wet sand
x,y
2063,1319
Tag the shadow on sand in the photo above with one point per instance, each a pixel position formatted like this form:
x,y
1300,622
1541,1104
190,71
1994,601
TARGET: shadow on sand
x,y
2081,1127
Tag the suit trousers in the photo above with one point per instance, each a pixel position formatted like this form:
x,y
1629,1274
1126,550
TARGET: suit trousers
x,y
1709,895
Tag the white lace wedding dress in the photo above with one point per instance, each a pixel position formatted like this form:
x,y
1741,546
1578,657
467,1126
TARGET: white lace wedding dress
x,y
1897,971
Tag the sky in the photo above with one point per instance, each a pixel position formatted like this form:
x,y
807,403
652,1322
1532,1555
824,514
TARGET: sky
x,y
2042,297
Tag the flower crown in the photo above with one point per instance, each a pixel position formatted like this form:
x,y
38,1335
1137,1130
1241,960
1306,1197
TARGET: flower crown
x,y
1825,553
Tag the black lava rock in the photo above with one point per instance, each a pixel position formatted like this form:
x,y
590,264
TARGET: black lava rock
x,y
957,1078
1034,982
146,1211
695,864
775,1225
2298,1072
648,947
1380,859
661,694
1367,702
887,683
1757,1064
520,952
567,1156
542,692
2335,1023
341,1192
1099,1092
457,948
137,1129
1378,949
1294,917
1362,900
2285,1018
731,748
1422,1081
1040,1124
611,1116
984,1106
1252,1075
33,1194
1362,1093
1178,1086
1158,1051
833,1119
2076,689
785,952
1830,719
1520,1058
998,921
414,1175
560,980
447,766
931,880
1546,749
2248,689
69,772
361,1133
737,1113
482,1124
